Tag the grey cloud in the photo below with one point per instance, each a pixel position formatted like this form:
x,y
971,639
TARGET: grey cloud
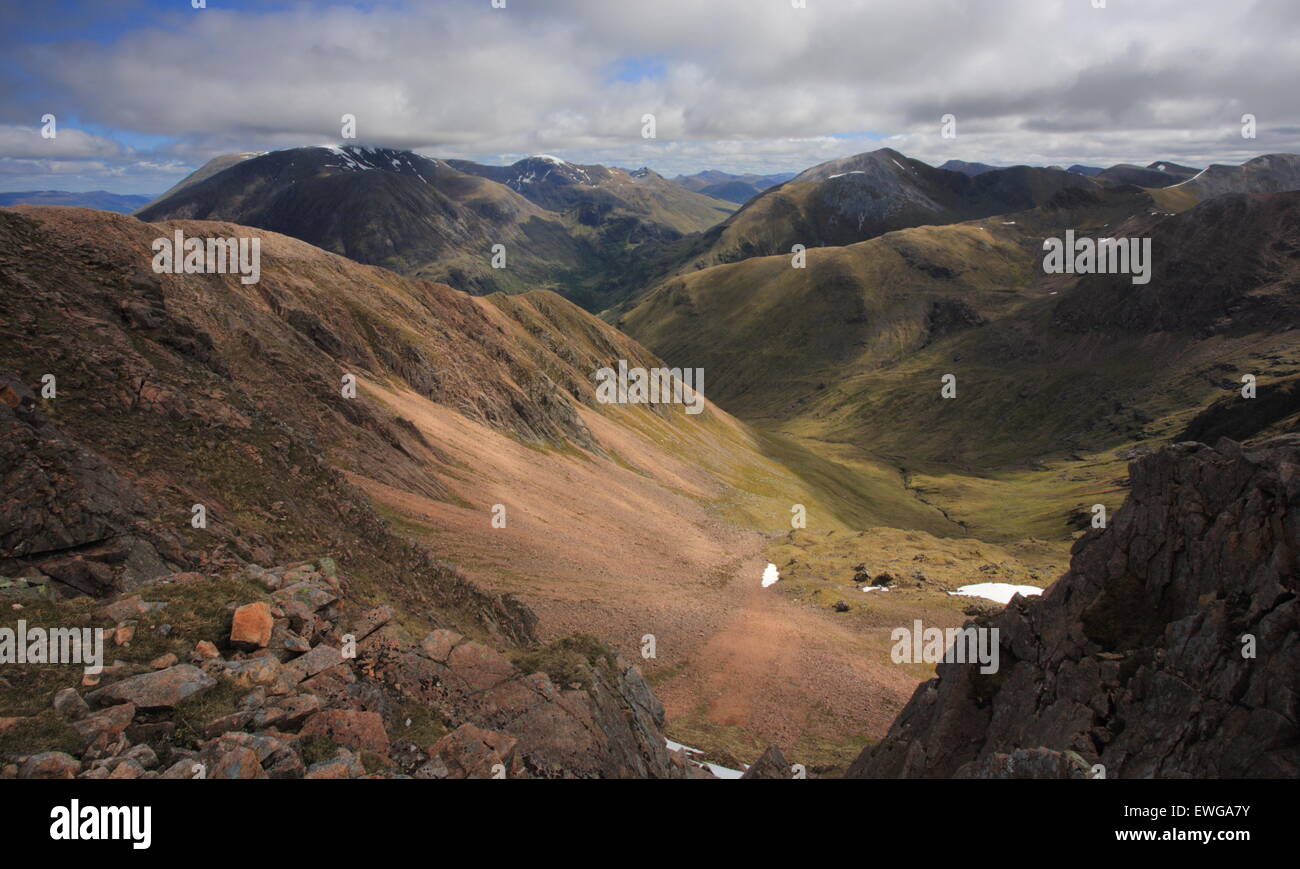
x,y
746,85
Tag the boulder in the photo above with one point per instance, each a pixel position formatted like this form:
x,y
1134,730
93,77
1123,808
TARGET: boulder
x,y
50,765
103,731
360,731
771,764
251,626
472,752
238,762
68,703
344,766
162,689
318,659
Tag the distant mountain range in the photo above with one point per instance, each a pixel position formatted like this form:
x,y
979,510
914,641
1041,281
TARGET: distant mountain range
x,y
121,203
603,236
732,188
1159,174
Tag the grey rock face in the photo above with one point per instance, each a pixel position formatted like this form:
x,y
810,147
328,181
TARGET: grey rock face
x,y
1140,658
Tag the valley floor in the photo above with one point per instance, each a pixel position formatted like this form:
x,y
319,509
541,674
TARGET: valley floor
x,y
642,543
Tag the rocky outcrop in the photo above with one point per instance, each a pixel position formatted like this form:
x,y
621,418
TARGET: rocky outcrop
x,y
772,764
62,507
1227,266
341,691
1169,649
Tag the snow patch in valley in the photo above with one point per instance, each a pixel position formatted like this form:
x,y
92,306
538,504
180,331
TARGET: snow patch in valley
x,y
770,575
1002,592
692,755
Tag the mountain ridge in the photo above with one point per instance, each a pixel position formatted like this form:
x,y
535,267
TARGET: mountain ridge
x,y
425,217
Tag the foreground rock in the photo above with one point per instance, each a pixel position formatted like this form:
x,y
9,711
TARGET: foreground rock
x,y
772,764
162,689
1169,649
313,686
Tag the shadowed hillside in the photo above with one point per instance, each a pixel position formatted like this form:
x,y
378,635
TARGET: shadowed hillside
x,y
565,228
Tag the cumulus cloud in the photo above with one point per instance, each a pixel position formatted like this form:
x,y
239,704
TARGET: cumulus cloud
x,y
746,85
28,143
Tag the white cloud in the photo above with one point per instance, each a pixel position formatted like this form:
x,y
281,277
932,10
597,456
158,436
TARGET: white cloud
x,y
27,143
737,84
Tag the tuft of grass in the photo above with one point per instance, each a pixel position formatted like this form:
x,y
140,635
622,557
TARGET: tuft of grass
x,y
735,747
425,728
29,689
569,660
45,731
317,748
193,715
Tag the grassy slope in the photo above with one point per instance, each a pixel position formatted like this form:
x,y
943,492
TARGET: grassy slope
x,y
845,357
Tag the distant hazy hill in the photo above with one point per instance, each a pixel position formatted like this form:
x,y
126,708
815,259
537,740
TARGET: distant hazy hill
x,y
733,188
122,203
967,168
1155,175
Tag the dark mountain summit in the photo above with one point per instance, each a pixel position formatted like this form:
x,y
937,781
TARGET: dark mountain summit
x,y
856,198
562,227
1271,173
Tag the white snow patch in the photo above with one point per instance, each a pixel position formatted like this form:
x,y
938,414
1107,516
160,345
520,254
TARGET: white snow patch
x,y
719,771
770,575
842,174
1002,592
1193,178
876,587
549,158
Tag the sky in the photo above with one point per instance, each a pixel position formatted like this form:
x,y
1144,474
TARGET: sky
x,y
145,91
